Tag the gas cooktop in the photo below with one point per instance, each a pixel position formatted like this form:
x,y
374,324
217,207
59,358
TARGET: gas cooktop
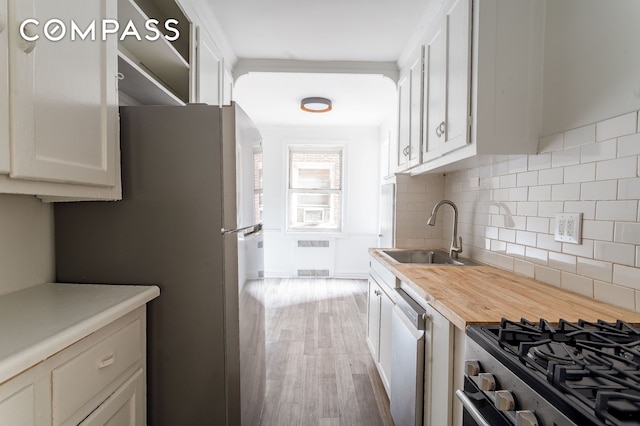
x,y
590,370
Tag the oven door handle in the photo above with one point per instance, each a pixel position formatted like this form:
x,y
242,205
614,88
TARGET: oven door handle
x,y
471,408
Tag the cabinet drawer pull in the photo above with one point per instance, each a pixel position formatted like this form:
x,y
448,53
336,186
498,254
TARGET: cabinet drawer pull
x,y
107,361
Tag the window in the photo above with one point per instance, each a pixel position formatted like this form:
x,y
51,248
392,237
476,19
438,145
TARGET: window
x,y
257,185
315,189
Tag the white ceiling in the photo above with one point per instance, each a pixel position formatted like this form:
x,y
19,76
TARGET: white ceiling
x,y
312,30
273,99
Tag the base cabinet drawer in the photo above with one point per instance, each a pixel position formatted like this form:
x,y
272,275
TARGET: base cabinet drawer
x,y
83,379
125,407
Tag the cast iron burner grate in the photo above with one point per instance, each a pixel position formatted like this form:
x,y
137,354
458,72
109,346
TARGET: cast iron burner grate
x,y
597,363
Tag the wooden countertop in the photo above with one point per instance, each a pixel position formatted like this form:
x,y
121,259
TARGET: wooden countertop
x,y
40,321
485,294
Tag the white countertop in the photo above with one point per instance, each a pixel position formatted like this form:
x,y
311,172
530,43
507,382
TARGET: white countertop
x,y
40,321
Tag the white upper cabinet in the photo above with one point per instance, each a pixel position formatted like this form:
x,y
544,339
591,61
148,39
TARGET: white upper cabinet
x,y
415,114
208,73
447,79
482,81
404,119
63,101
4,89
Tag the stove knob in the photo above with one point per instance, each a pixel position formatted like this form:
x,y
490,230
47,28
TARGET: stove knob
x,y
487,381
526,418
504,401
471,368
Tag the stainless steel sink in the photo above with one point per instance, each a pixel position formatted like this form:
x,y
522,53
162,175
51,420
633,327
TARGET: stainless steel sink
x,y
427,257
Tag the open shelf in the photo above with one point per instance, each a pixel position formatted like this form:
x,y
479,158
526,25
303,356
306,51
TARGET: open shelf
x,y
138,84
160,58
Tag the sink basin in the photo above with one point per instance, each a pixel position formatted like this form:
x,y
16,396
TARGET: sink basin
x,y
427,257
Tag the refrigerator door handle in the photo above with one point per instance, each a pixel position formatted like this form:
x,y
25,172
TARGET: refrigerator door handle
x,y
251,229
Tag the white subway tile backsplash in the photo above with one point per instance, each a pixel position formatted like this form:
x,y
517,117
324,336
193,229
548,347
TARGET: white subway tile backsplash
x,y
595,269
538,224
617,169
524,268
629,189
577,284
626,210
567,191
629,145
527,179
508,204
614,294
563,262
626,276
518,164
551,176
627,232
551,143
526,238
566,157
601,190
617,126
515,250
587,208
547,275
550,208
581,173
580,136
547,242
600,151
540,161
615,252
584,250
527,208
597,230
540,193
536,255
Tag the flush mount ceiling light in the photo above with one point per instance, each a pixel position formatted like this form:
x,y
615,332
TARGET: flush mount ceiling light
x,y
315,104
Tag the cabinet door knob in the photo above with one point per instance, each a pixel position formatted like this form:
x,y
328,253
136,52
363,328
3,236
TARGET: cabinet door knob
x,y
441,129
406,150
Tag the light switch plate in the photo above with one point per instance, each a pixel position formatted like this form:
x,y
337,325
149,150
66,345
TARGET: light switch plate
x,y
568,228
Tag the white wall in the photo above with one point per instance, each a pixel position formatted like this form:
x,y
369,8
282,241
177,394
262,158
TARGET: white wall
x,y
26,242
591,62
593,170
347,256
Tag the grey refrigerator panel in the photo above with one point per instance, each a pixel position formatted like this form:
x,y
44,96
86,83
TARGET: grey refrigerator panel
x,y
167,231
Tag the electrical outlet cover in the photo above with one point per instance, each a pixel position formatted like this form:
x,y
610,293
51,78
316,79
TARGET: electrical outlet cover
x,y
568,228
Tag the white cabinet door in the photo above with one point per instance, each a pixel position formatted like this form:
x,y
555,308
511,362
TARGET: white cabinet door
x,y
63,99
447,82
404,122
373,319
209,63
386,315
4,89
439,361
415,111
125,407
18,408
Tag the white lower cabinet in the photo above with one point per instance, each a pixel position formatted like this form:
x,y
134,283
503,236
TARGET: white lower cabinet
x,y
99,380
379,329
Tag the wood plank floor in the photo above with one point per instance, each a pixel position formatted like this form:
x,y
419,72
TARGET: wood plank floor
x,y
319,369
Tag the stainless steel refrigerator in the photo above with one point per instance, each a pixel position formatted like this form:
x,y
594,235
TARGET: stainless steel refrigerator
x,y
187,222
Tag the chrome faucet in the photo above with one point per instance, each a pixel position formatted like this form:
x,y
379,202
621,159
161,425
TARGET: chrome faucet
x,y
456,243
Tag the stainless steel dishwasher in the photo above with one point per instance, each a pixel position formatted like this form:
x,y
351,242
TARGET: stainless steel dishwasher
x,y
407,357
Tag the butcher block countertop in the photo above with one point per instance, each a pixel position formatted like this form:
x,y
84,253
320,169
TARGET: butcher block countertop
x,y
40,321
484,294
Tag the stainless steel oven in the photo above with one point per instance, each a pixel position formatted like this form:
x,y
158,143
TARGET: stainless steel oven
x,y
552,374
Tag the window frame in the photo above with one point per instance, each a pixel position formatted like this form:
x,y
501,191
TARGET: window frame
x,y
329,148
